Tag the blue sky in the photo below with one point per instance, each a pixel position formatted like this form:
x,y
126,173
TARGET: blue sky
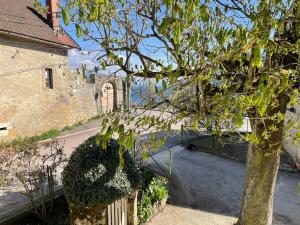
x,y
77,58
86,56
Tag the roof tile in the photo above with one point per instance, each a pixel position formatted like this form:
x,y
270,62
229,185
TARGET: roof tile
x,y
18,17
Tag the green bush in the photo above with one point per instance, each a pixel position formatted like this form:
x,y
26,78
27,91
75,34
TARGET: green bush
x,y
93,175
155,193
158,189
147,176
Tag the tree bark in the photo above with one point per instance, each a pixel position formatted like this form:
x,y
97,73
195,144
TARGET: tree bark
x,y
261,172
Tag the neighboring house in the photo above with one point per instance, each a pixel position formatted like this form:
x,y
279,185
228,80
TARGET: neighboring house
x,y
38,93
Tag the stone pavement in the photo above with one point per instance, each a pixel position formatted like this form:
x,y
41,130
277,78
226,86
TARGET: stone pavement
x,y
203,185
176,215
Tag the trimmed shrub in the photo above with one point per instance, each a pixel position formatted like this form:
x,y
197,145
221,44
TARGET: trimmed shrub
x,y
93,176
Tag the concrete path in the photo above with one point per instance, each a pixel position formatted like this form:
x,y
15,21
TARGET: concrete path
x,y
203,186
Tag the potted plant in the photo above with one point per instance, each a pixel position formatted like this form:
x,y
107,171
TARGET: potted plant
x,y
93,179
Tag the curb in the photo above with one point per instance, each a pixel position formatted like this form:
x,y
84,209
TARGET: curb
x,y
69,135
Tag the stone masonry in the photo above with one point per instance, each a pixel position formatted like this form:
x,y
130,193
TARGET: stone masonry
x,y
27,105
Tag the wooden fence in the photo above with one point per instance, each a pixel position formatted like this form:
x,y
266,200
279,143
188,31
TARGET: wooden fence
x,y
123,211
120,212
117,212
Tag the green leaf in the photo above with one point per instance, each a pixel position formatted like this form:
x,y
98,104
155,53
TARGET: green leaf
x,y
204,13
168,3
94,13
257,56
285,80
297,136
158,77
165,25
78,30
121,129
65,16
262,109
145,155
164,84
294,98
177,33
239,120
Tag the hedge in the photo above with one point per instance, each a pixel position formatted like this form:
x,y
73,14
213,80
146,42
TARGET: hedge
x,y
93,176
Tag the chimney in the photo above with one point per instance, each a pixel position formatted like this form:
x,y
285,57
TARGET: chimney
x,y
52,14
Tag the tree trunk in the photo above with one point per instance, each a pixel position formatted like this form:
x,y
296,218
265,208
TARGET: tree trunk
x,y
261,172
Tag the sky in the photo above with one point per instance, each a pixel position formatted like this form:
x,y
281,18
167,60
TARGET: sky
x,y
76,57
86,56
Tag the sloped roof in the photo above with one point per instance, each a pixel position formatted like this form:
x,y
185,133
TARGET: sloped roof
x,y
19,18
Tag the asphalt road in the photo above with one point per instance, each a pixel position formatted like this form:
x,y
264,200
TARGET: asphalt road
x,y
211,185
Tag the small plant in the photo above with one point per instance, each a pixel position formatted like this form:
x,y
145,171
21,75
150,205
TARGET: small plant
x,y
152,197
96,177
94,117
158,190
53,133
36,171
69,127
11,156
22,142
145,208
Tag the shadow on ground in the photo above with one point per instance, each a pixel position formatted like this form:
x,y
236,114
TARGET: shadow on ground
x,y
214,182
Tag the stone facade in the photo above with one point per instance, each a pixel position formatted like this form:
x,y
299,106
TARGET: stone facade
x,y
28,106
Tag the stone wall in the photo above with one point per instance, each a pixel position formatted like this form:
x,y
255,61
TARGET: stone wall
x,y
84,103
290,145
27,106
118,85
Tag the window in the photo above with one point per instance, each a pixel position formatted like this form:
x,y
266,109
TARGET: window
x,y
4,129
49,78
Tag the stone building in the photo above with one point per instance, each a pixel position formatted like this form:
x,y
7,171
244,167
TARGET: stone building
x,y
38,92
